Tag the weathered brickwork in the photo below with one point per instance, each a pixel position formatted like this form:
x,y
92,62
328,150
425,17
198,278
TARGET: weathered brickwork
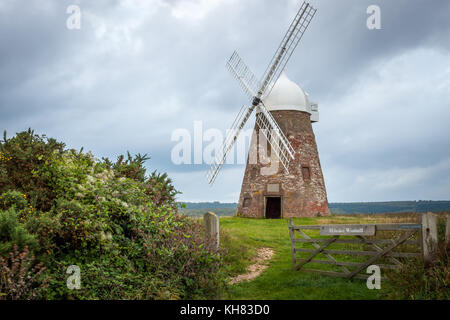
x,y
302,190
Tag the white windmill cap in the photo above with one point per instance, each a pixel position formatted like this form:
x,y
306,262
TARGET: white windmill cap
x,y
287,95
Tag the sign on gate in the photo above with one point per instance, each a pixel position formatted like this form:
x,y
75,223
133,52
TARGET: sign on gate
x,y
347,230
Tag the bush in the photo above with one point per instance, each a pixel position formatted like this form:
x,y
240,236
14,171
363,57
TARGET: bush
x,y
20,277
12,233
132,168
182,255
13,198
120,226
20,156
415,281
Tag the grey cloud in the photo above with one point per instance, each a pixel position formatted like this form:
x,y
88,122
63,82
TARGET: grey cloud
x,y
131,76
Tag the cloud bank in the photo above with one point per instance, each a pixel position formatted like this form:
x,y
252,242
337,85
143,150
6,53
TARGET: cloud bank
x,y
138,70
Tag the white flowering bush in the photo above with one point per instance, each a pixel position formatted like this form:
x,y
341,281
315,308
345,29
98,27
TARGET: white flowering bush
x,y
120,226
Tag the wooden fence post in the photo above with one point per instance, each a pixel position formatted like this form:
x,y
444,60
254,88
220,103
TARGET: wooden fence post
x,y
211,221
429,237
292,236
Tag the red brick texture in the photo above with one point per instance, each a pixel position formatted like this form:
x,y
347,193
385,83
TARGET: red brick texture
x,y
302,190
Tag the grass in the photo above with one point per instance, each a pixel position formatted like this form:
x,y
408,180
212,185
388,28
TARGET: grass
x,y
242,236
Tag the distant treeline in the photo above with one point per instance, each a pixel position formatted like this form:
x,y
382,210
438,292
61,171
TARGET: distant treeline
x,y
200,208
209,205
391,206
227,209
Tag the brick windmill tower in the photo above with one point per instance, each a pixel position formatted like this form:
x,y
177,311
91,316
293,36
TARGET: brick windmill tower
x,y
283,177
268,190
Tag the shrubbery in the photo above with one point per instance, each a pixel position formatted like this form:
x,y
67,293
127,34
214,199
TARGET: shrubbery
x,y
12,233
417,282
21,277
118,225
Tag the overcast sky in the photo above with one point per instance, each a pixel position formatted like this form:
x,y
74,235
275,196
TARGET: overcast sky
x,y
139,69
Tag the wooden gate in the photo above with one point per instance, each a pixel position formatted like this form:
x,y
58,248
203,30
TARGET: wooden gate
x,y
385,245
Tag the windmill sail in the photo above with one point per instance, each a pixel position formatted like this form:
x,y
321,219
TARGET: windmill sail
x,y
233,133
249,83
257,89
287,47
275,136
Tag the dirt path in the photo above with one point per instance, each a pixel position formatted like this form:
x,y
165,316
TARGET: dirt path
x,y
263,256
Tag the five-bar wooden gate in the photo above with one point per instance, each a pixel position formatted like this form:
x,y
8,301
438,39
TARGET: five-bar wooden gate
x,y
404,241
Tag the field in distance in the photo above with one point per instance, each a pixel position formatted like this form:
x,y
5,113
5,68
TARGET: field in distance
x,y
229,209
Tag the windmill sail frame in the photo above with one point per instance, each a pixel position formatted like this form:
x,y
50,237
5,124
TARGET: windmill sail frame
x,y
256,90
248,81
287,47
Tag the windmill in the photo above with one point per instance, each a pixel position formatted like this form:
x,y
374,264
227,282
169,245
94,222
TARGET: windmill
x,y
284,115
257,90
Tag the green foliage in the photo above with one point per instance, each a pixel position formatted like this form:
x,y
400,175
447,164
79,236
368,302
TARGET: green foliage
x,y
45,227
111,277
20,156
11,199
160,189
118,225
441,228
132,168
417,282
13,233
183,252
